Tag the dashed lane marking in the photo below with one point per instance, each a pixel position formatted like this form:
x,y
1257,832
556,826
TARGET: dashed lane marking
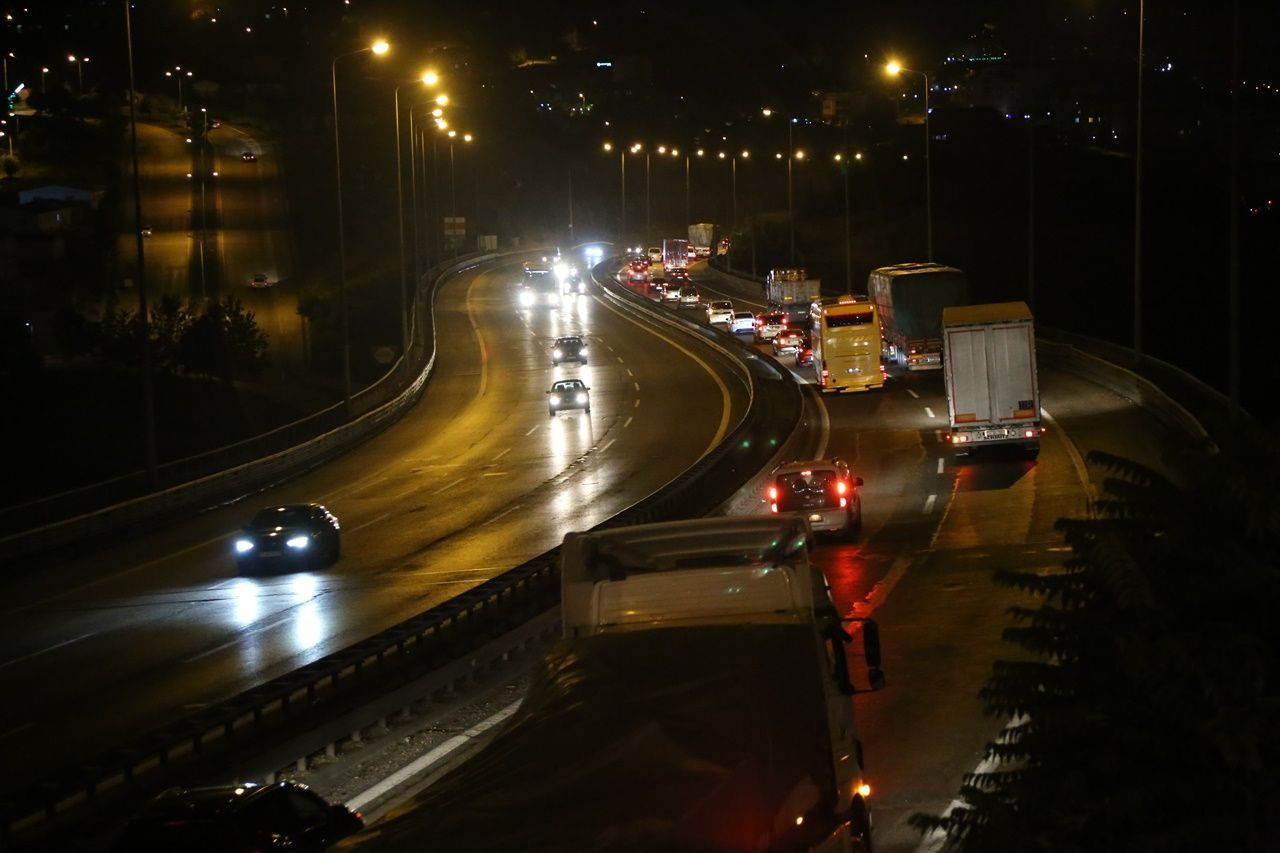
x,y
928,503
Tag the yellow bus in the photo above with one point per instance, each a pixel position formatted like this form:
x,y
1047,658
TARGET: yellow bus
x,y
846,343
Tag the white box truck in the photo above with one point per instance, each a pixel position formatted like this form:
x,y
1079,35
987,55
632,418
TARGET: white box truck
x,y
790,289
699,699
989,368
675,258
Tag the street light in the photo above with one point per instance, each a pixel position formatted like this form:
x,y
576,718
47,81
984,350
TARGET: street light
x,y
6,59
791,156
378,48
79,61
893,69
622,183
178,74
845,163
428,78
43,71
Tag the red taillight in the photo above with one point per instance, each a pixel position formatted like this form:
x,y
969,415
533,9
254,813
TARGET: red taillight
x,y
841,487
773,493
1029,433
958,438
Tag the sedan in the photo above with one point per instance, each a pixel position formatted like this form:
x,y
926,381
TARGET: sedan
x,y
770,325
294,535
788,340
804,356
569,348
654,254
259,279
568,394
720,311
249,157
743,321
284,815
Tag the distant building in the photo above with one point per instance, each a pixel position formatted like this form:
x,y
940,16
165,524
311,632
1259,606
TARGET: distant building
x,y
90,196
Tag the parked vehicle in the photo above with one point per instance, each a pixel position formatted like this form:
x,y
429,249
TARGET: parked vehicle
x,y
909,301
989,369
699,699
824,491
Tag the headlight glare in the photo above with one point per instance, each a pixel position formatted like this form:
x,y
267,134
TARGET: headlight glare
x,y
581,398
298,542
243,546
555,399
556,353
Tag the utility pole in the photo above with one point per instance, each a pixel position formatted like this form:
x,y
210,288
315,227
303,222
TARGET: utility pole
x,y
1137,196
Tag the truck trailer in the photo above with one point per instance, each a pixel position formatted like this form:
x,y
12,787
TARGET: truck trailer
x,y
909,299
699,699
989,368
791,290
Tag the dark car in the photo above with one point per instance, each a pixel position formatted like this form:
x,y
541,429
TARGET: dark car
x,y
804,355
569,348
568,394
282,816
295,535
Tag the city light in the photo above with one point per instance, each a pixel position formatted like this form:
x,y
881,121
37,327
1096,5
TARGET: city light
x,y
893,68
380,47
430,78
608,146
442,100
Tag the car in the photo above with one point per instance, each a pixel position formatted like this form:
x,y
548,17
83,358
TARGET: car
x,y
284,815
214,124
768,325
743,321
702,251
689,296
291,536
568,394
654,254
145,230
671,292
720,311
822,490
804,355
249,157
691,254
259,279
679,274
788,340
657,287
569,348
797,313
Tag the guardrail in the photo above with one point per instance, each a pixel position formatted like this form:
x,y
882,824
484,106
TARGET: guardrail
x,y
303,707
239,468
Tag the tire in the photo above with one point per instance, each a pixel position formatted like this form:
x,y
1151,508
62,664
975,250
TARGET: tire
x,y
853,525
860,827
336,551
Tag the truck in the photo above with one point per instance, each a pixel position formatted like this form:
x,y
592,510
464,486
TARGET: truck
x,y
909,299
675,256
791,290
701,237
699,699
989,369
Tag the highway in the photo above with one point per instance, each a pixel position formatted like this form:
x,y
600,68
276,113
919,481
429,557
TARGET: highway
x,y
474,480
934,532
164,159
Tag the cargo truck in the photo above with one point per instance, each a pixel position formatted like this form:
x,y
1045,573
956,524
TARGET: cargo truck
x,y
700,699
675,256
909,299
791,291
989,368
702,236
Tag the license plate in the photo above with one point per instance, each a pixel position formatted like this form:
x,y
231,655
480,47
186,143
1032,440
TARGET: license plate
x,y
815,516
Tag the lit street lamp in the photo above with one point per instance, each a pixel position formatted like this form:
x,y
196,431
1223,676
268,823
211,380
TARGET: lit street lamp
x,y
845,163
894,69
428,78
378,48
177,73
79,61
622,183
43,71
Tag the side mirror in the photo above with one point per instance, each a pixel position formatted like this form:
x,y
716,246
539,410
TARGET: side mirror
x,y
857,481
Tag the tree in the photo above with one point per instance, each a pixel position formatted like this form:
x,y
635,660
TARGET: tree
x,y
1145,714
10,166
225,341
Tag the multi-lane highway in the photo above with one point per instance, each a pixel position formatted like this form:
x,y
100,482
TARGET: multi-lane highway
x,y
474,480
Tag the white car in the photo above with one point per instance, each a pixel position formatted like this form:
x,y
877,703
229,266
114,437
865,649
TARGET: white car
x,y
689,296
654,254
720,311
743,321
769,325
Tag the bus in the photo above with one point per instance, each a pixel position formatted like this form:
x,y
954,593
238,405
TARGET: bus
x,y
845,331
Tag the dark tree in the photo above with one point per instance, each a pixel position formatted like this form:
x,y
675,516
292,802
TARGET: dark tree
x,y
225,341
1145,713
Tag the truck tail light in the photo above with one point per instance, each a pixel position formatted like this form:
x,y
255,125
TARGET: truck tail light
x,y
1029,433
959,438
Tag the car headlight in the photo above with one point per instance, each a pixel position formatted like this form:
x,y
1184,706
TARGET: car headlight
x,y
555,353
582,351
555,399
581,398
298,542
526,298
244,546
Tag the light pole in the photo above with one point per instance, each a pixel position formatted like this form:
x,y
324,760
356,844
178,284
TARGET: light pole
x,y
177,73
79,61
428,78
648,228
894,69
845,163
378,48
791,155
622,183
6,58
1137,194
43,71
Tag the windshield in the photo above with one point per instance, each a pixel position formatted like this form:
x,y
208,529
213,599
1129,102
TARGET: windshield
x,y
570,385
290,516
569,342
807,490
722,306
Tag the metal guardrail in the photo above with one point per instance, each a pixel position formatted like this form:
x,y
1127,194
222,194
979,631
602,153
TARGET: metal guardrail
x,y
244,466
228,735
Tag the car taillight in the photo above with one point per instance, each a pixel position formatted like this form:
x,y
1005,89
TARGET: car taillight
x,y
959,438
841,487
773,493
773,507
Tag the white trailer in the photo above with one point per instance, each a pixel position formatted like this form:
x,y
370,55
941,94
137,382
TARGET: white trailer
x,y
989,367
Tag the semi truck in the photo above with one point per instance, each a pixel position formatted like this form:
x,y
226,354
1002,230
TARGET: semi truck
x,y
909,299
989,368
675,256
702,235
699,699
792,291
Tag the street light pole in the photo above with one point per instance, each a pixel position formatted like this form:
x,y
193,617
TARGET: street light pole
x,y
1137,195
11,133
791,212
647,226
688,197
893,68
733,219
43,71
379,48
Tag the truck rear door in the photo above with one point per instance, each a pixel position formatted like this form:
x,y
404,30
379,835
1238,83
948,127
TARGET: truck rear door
x,y
966,366
1013,371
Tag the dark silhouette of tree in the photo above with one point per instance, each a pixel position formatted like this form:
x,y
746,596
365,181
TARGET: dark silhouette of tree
x,y
10,166
1145,714
224,341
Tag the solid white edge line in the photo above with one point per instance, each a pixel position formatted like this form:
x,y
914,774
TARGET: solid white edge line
x,y
475,328
913,393
928,411
424,762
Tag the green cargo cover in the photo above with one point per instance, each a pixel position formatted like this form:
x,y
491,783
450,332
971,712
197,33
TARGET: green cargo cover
x,y
683,738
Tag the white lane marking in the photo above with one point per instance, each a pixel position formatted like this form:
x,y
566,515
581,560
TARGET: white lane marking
x,y
928,411
928,503
937,433
54,647
447,486
229,643
620,361
628,423
532,429
484,354
637,384
506,511
607,445
913,393
502,454
494,474
17,730
629,373
941,463
637,405
362,526
425,762
609,348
